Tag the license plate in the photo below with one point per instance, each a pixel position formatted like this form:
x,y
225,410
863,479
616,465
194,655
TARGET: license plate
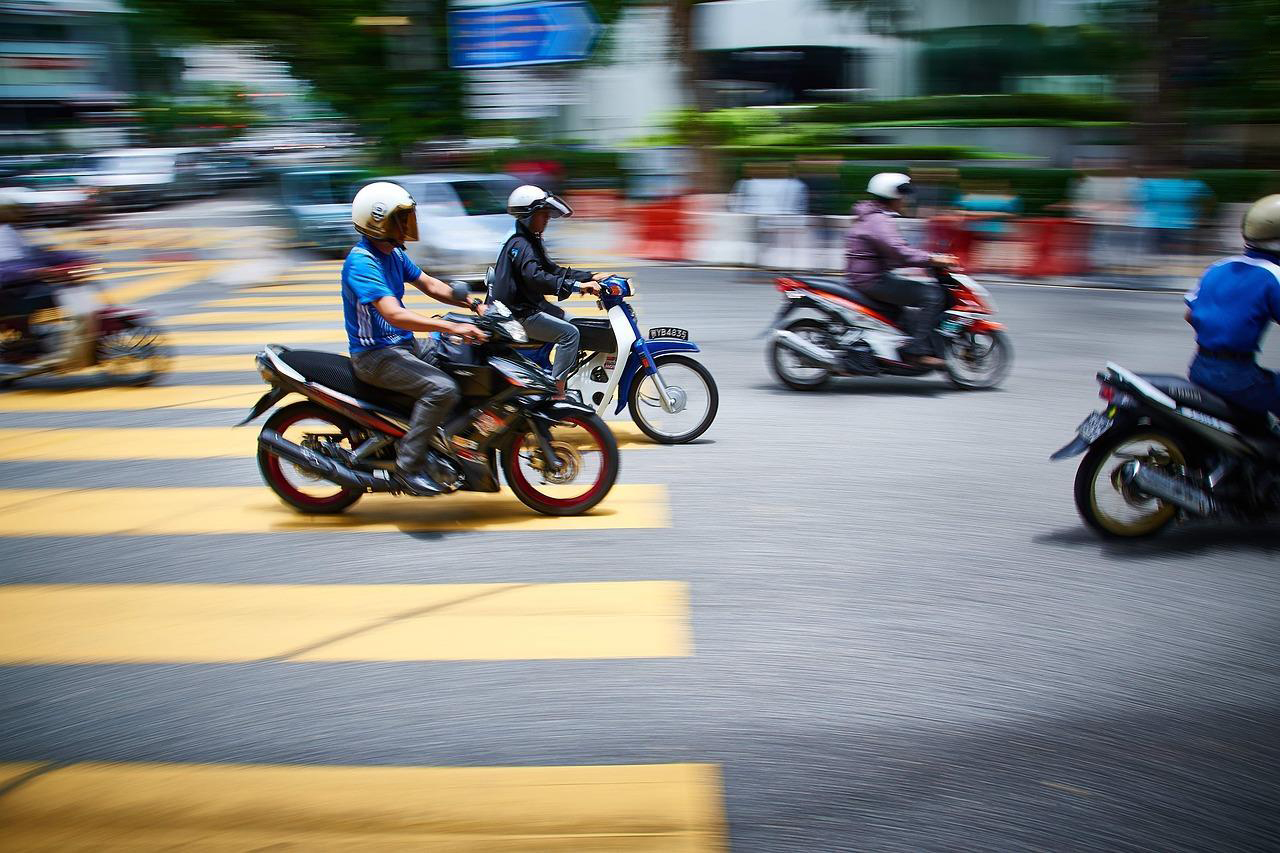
x,y
669,332
1095,425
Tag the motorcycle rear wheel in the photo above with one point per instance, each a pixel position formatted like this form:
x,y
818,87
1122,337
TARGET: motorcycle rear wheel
x,y
299,489
1098,485
137,355
792,370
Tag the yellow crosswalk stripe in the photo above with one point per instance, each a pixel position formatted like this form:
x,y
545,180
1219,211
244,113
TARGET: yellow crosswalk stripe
x,y
253,509
139,270
87,444
332,300
162,282
265,318
120,399
146,808
233,623
256,337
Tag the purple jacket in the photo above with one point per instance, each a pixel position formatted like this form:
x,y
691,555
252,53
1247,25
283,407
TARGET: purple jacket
x,y
874,246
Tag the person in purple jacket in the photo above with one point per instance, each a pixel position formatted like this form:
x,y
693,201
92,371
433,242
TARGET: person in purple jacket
x,y
875,248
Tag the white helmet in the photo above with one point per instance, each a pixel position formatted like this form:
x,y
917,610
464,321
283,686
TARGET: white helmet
x,y
889,185
385,211
528,199
1261,225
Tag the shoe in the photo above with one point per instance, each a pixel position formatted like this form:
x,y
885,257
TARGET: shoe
x,y
932,362
419,483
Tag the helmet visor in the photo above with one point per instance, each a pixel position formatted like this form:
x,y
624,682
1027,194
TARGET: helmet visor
x,y
558,206
404,225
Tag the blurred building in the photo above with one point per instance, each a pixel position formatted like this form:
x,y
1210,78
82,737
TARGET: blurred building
x,y
63,64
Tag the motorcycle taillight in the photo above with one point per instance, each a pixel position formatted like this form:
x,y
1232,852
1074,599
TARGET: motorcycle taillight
x,y
1107,393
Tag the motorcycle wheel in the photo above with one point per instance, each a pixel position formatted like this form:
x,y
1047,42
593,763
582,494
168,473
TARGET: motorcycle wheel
x,y
982,362
1110,507
702,400
792,370
137,355
300,489
588,454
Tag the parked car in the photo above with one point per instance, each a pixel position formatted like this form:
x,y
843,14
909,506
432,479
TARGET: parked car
x,y
51,198
317,206
143,177
462,221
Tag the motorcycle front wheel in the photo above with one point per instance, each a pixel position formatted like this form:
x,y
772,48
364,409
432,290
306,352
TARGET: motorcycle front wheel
x,y
696,391
979,361
792,370
1108,505
584,471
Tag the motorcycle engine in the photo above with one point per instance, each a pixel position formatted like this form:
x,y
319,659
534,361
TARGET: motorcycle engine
x,y
859,358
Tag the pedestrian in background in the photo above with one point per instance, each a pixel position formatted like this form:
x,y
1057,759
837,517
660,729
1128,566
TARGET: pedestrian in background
x,y
821,179
988,208
776,199
1172,204
1105,199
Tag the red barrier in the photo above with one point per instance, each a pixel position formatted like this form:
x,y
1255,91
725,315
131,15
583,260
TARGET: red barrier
x,y
1034,247
659,230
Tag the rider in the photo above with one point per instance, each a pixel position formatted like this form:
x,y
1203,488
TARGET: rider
x,y
380,328
1231,308
874,248
524,277
24,281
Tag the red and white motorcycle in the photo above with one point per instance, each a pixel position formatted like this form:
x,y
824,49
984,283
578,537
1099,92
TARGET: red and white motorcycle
x,y
855,335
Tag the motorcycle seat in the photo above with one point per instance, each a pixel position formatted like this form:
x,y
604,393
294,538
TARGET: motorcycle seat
x,y
334,371
1190,394
837,287
596,334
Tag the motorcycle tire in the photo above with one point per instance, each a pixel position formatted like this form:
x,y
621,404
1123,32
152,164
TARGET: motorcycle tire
x,y
821,376
713,402
272,466
1000,354
1095,463
546,502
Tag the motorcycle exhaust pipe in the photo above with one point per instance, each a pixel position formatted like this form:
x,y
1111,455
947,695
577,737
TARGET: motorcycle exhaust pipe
x,y
807,350
322,466
1175,490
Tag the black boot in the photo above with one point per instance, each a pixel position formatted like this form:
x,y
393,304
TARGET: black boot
x,y
419,483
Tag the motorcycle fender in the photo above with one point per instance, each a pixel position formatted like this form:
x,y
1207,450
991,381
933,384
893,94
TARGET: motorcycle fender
x,y
783,313
1077,446
656,348
980,326
269,399
1120,418
558,410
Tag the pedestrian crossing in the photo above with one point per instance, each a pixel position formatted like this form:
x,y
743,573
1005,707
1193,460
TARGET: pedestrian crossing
x,y
646,808
185,423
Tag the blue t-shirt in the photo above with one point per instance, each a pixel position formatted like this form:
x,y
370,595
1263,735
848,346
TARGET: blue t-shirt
x,y
1235,302
367,276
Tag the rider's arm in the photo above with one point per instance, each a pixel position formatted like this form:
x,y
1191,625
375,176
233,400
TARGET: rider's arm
x,y
402,318
442,292
558,281
889,244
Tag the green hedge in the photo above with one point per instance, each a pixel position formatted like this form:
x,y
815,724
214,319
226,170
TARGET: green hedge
x,y
863,152
1067,108
1236,186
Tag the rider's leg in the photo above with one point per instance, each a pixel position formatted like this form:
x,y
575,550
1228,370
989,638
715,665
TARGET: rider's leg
x,y
1245,385
926,297
400,369
551,329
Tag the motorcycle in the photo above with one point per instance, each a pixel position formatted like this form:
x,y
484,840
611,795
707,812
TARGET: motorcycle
x,y
1166,449
860,336
321,455
671,397
66,326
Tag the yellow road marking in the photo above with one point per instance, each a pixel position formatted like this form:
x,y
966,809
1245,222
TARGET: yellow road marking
x,y
234,623
332,301
213,318
254,509
119,399
83,444
162,283
142,269
257,337
639,808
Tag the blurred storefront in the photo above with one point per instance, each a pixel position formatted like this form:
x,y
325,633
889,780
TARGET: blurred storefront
x,y
63,71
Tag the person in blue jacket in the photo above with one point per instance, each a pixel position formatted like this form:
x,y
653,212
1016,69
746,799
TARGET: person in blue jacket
x,y
1235,302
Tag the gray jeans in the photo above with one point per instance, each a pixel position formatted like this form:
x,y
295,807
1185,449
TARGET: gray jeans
x,y
550,329
401,368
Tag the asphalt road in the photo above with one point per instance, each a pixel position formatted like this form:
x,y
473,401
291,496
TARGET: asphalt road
x,y
903,638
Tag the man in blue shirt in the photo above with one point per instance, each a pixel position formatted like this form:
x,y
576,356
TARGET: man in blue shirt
x,y
1231,308
380,329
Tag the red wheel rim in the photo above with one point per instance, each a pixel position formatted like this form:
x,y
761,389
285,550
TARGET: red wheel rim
x,y
521,483
282,482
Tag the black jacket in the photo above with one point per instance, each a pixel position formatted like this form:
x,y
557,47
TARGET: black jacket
x,y
524,276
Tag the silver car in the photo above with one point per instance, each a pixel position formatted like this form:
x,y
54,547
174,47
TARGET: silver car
x,y
462,221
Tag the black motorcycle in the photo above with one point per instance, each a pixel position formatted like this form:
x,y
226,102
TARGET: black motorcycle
x,y
1166,448
322,454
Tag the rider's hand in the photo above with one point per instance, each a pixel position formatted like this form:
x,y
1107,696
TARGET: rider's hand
x,y
945,261
601,276
480,308
470,334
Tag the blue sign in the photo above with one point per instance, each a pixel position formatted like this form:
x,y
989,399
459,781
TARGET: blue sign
x,y
521,34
